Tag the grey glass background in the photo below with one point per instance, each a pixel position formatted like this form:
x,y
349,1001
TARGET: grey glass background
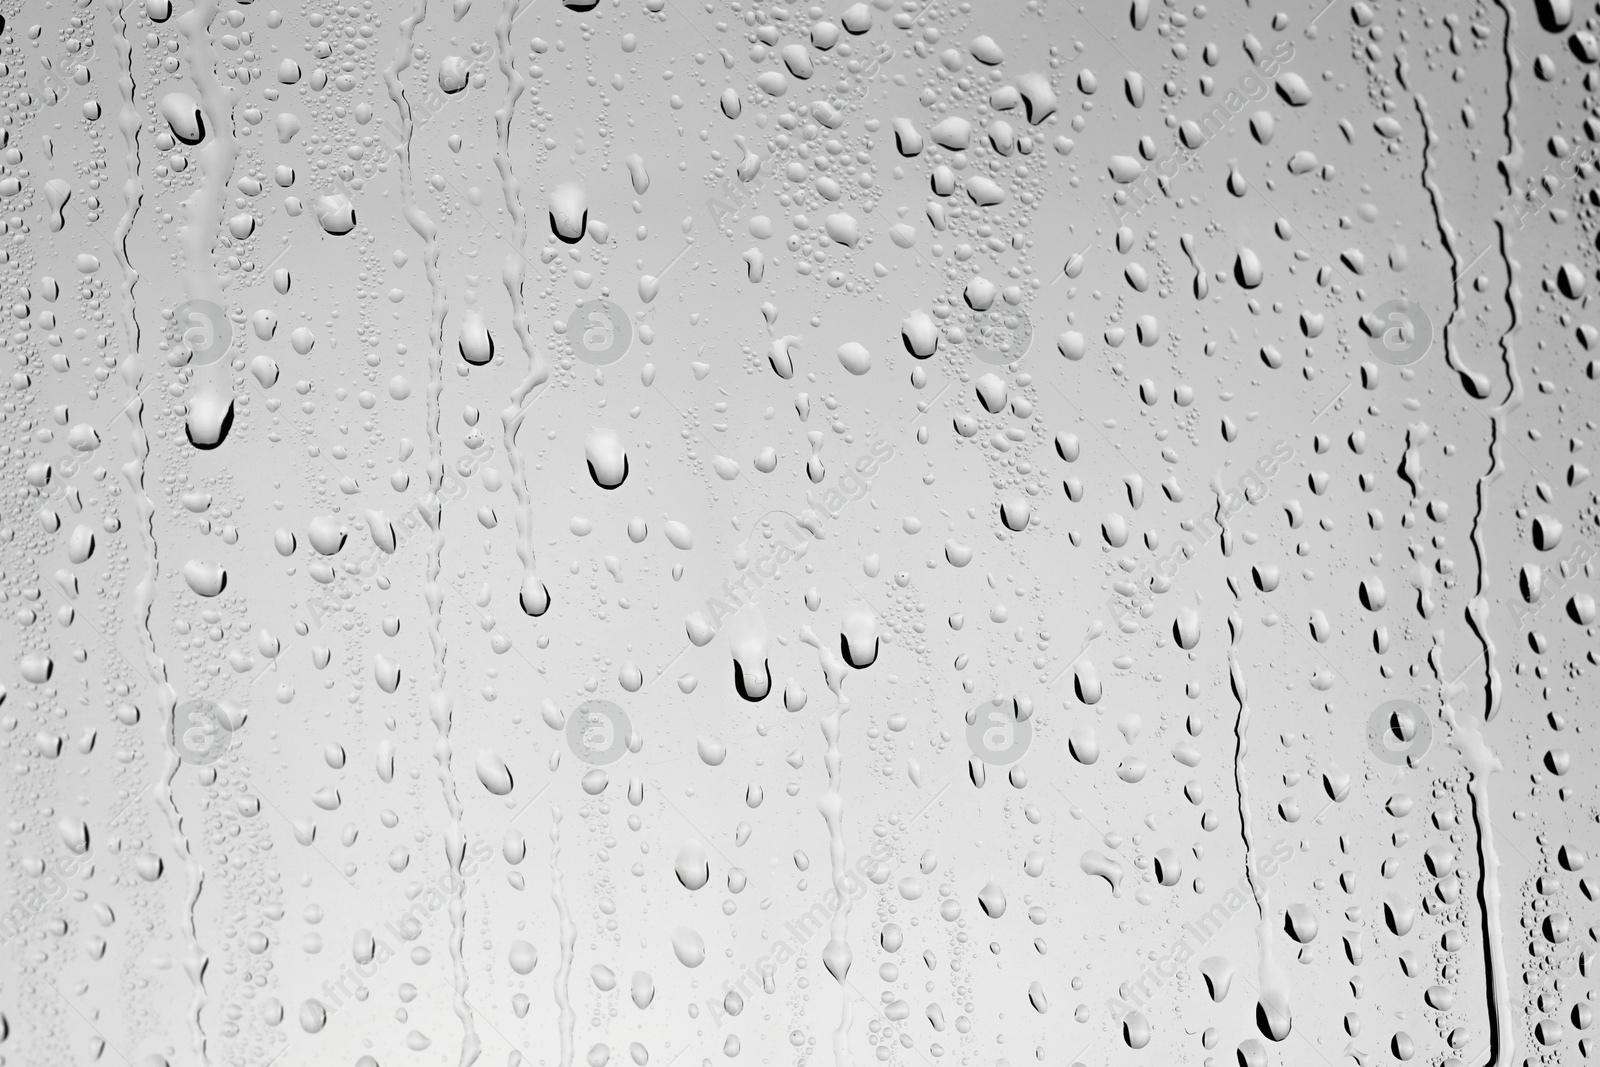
x,y
688,533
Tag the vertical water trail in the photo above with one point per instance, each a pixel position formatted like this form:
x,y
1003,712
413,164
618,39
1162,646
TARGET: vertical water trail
x,y
1510,164
569,939
836,953
132,368
1219,515
207,205
1478,607
1480,761
1273,1012
195,960
1447,234
532,595
440,706
128,123
1476,756
216,158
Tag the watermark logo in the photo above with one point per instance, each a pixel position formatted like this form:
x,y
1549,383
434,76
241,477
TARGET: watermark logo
x,y
736,197
866,70
1399,733
778,537
1195,134
995,734
61,77
1399,332
598,732
372,950
599,332
200,732
1539,193
798,935
72,463
781,536
1201,928
1550,586
203,330
68,465
1004,340
16,919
